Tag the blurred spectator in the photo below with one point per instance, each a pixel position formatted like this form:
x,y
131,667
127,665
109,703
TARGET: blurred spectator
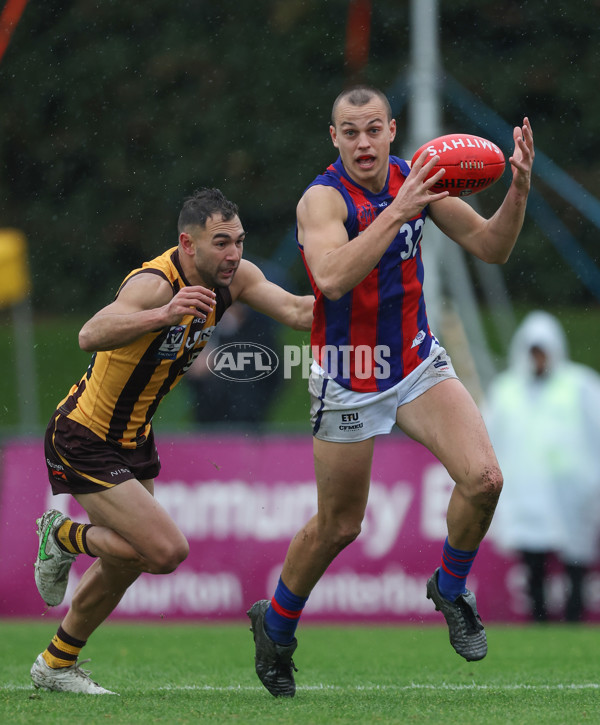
x,y
218,401
543,416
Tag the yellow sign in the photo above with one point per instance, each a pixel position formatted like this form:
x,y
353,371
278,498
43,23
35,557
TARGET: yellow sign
x,y
15,282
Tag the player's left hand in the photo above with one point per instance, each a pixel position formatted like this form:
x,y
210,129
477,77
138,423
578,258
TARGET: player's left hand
x,y
522,159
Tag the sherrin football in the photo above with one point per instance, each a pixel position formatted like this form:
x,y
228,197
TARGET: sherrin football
x,y
472,163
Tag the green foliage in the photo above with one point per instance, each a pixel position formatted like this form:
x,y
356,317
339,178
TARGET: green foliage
x,y
117,112
199,673
112,113
535,58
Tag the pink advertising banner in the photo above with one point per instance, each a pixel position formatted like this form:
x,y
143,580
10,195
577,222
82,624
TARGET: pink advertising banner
x,y
239,499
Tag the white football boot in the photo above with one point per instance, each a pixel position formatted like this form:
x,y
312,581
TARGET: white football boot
x,y
52,563
65,679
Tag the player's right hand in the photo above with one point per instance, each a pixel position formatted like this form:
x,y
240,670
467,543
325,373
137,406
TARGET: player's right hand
x,y
415,193
194,300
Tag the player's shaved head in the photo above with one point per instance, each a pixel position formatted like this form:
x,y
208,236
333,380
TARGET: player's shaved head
x,y
360,96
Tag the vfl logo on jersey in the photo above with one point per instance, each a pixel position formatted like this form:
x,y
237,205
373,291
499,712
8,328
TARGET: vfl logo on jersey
x,y
172,343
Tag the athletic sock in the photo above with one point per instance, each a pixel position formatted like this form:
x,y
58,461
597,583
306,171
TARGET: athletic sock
x,y
281,618
72,537
63,650
452,576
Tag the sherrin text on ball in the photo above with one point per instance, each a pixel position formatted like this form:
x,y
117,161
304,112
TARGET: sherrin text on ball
x,y
472,163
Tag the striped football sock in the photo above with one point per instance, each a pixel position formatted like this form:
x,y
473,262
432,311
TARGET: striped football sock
x,y
281,618
456,565
72,537
63,650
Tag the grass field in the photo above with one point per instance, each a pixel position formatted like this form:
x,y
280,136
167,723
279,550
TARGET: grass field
x,y
185,674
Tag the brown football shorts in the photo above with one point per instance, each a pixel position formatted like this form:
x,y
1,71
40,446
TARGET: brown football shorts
x,y
79,461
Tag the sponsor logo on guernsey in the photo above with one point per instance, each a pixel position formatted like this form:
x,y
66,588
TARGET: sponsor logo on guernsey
x,y
350,421
419,338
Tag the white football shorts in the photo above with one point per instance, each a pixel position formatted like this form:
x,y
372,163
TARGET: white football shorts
x,y
344,416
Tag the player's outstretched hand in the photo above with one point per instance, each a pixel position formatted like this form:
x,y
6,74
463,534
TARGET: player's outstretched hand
x,y
194,300
415,193
522,159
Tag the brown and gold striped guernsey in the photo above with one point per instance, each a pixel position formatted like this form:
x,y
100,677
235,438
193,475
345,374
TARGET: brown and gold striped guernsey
x,y
121,390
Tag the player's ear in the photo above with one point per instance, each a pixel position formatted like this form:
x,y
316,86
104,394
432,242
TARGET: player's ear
x,y
392,129
333,135
186,243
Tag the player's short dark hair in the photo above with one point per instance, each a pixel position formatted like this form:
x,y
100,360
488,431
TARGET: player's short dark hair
x,y
360,96
202,205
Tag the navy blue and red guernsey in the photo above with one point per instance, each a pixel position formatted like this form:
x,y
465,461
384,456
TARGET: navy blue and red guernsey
x,y
377,333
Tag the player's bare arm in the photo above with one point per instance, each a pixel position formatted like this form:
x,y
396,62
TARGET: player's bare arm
x,y
492,240
254,289
338,264
144,304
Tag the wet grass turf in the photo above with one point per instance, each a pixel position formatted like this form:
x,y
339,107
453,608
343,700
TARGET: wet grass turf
x,y
189,673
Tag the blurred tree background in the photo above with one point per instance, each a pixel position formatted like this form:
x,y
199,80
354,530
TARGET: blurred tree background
x,y
113,112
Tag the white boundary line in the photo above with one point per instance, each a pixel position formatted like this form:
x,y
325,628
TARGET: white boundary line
x,y
443,686
395,688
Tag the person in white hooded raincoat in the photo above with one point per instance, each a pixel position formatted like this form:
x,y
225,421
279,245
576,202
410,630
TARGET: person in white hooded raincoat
x,y
543,417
